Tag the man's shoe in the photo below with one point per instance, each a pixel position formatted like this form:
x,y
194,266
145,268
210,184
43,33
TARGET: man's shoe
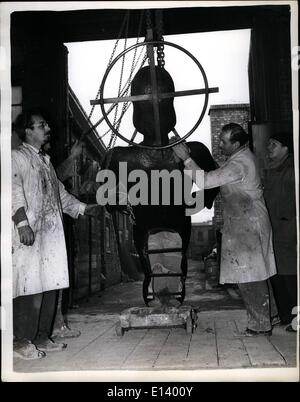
x,y
250,332
26,350
276,321
50,346
65,332
289,328
279,322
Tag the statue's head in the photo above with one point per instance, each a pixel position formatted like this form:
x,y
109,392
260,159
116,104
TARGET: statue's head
x,y
143,115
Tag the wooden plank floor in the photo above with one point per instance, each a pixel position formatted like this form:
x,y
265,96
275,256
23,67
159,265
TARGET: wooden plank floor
x,y
215,344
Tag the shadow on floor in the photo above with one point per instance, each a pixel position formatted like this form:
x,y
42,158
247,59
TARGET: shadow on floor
x,y
199,295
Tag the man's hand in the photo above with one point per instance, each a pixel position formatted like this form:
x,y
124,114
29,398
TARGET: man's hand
x,y
26,235
76,149
93,210
181,150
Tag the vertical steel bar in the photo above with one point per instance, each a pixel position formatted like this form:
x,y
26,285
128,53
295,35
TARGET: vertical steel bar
x,y
150,51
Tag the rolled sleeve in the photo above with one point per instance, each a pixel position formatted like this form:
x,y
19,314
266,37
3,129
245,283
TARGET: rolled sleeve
x,y
227,174
82,207
22,224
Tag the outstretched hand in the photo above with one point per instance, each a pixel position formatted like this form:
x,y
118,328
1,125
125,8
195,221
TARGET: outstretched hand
x,y
76,149
181,151
93,210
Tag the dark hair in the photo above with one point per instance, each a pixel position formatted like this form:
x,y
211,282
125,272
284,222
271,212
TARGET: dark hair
x,y
285,138
282,131
237,133
24,120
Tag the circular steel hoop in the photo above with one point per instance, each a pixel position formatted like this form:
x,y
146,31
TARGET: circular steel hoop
x,y
136,45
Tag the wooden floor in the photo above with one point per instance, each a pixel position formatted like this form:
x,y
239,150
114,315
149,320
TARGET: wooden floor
x,y
215,344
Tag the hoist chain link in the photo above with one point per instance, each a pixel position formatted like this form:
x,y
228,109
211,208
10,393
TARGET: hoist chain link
x,y
110,59
161,56
160,48
126,89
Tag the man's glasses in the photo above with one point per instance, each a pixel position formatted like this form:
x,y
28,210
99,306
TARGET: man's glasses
x,y
42,124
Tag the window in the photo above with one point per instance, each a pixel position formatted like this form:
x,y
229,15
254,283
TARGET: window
x,y
211,235
16,100
200,236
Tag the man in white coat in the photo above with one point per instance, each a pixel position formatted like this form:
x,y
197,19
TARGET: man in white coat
x,y
39,256
247,256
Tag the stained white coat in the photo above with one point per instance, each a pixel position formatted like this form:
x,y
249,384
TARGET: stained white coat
x,y
35,186
247,251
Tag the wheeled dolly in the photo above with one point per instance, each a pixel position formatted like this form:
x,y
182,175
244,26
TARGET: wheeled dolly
x,y
157,317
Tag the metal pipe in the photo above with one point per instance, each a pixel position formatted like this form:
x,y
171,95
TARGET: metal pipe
x,y
139,98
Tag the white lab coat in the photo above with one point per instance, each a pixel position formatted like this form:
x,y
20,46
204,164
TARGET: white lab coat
x,y
42,266
247,251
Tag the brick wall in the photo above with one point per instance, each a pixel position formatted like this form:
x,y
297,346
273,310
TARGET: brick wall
x,y
96,259
219,116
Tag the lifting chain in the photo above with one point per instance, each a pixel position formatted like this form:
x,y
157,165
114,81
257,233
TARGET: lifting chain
x,y
124,91
160,48
125,21
116,123
159,35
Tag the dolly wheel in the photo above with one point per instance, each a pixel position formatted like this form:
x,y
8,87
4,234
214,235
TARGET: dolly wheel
x,y
119,330
189,326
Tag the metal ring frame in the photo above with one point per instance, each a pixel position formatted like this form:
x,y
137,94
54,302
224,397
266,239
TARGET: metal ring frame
x,y
146,43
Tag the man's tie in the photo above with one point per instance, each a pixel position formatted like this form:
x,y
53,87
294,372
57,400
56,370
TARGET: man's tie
x,y
42,153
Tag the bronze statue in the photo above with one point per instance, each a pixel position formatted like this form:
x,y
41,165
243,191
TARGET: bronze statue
x,y
153,218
